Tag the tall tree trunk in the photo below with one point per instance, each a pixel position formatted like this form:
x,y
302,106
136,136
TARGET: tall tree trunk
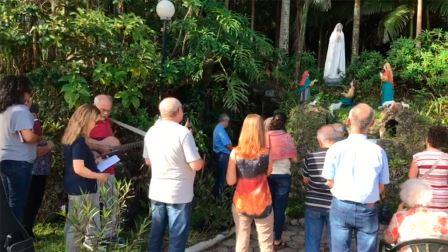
x,y
252,16
296,28
277,19
419,18
227,4
320,47
418,29
428,19
356,25
302,31
283,42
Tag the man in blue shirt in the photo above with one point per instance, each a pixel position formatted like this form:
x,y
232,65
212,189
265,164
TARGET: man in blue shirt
x,y
356,171
222,145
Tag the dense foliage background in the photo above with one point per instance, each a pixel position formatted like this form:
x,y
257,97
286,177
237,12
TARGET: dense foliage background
x,y
222,56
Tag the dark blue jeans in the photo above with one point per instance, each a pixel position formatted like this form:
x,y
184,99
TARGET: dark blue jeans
x,y
177,217
222,159
315,221
16,176
347,218
280,185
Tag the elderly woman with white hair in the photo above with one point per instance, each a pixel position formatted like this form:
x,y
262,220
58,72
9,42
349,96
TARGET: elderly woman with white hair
x,y
417,221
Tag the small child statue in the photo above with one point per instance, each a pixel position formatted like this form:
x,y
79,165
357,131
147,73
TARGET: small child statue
x,y
346,101
387,87
305,86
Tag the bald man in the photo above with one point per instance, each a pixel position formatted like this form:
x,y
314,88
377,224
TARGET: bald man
x,y
318,196
357,171
172,155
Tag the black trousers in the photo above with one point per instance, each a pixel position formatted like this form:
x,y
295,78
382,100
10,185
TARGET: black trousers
x,y
35,197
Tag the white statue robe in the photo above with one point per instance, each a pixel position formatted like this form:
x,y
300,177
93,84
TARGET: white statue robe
x,y
335,63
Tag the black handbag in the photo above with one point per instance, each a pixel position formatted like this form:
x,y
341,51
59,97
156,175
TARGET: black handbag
x,y
26,245
13,237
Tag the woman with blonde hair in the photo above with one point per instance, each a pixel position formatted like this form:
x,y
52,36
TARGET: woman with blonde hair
x,y
249,167
80,177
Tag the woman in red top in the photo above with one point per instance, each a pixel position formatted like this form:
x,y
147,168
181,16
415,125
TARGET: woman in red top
x,y
249,166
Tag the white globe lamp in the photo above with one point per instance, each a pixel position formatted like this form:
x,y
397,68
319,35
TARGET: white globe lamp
x,y
165,9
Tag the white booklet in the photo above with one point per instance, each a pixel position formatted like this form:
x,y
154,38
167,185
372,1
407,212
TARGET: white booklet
x,y
108,163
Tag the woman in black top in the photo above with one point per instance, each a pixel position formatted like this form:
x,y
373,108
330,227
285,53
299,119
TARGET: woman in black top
x,y
80,179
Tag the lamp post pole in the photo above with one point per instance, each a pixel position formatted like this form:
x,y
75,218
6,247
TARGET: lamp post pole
x,y
164,41
165,10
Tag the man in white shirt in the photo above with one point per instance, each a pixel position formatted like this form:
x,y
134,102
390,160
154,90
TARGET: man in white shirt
x,y
172,154
357,171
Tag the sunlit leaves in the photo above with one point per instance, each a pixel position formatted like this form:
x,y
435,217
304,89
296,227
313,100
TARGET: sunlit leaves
x,y
75,89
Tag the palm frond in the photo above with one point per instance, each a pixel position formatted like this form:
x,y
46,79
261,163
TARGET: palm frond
x,y
395,22
371,7
438,6
323,5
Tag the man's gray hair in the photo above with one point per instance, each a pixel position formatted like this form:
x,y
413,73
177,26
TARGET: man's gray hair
x,y
340,131
223,117
361,116
169,107
416,192
326,133
102,97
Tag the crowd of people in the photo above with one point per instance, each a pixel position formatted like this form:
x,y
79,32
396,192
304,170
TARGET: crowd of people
x,y
345,178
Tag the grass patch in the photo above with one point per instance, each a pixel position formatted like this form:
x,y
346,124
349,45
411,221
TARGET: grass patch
x,y
50,237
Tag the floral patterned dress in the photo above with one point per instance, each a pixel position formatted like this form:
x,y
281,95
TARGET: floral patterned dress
x,y
417,223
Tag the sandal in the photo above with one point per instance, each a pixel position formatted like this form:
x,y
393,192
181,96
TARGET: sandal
x,y
280,245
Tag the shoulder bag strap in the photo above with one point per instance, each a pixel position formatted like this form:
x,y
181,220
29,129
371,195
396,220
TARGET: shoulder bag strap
x,y
434,166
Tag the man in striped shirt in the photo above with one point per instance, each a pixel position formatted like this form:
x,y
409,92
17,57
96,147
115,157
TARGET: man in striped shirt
x,y
318,195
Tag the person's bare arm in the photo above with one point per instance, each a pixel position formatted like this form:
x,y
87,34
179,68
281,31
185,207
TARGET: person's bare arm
x,y
148,162
81,170
382,188
28,136
413,171
97,145
270,166
197,165
305,180
43,150
330,183
231,170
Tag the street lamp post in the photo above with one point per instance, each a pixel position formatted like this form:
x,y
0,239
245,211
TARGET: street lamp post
x,y
165,10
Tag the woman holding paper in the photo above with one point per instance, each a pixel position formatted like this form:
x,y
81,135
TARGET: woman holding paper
x,y
80,178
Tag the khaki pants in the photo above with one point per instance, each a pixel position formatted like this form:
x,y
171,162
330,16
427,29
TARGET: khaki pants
x,y
265,230
110,202
78,224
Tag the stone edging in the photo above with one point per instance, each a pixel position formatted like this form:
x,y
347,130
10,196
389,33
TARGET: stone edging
x,y
201,246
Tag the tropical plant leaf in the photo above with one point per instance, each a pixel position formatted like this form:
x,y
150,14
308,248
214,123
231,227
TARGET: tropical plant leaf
x,y
323,5
394,23
371,7
236,94
438,6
